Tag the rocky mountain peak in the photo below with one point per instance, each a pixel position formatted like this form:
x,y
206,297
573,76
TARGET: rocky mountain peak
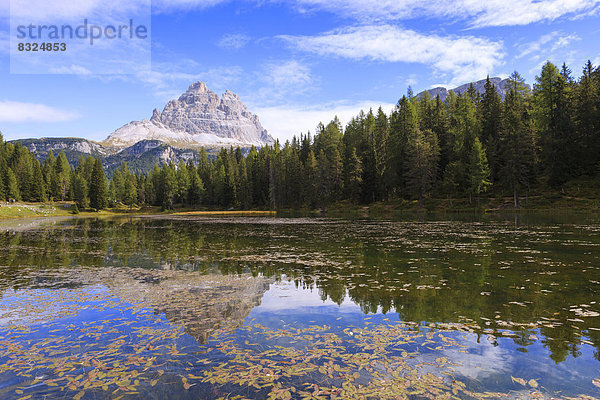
x,y
155,115
198,88
199,117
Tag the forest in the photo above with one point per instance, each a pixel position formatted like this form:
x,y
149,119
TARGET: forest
x,y
462,147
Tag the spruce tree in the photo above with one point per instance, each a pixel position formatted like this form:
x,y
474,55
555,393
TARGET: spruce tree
x,y
129,192
38,187
12,186
80,191
403,125
587,117
478,170
354,178
517,145
196,189
98,187
490,110
422,162
552,119
63,175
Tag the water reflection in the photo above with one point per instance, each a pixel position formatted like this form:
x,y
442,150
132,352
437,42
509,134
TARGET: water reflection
x,y
516,293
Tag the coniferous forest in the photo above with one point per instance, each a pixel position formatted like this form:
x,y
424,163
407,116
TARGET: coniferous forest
x,y
462,147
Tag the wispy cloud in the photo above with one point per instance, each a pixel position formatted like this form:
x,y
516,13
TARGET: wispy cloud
x,y
465,58
233,41
167,80
478,13
287,121
14,111
553,41
66,9
282,80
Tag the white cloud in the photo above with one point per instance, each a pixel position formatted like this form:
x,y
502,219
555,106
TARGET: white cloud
x,y
287,121
169,80
466,58
163,6
556,39
479,13
72,70
67,9
564,41
233,41
14,111
284,79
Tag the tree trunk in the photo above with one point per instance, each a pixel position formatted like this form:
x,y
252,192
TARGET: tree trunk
x,y
516,199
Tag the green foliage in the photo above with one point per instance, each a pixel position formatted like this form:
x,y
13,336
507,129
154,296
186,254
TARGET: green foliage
x,y
12,186
80,191
98,187
517,142
426,147
422,163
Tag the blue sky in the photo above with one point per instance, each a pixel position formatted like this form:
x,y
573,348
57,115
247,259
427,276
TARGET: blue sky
x,y
297,62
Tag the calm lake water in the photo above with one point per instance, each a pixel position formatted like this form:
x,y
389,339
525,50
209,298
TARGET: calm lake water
x,y
173,307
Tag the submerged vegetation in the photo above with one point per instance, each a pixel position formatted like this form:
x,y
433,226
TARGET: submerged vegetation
x,y
221,308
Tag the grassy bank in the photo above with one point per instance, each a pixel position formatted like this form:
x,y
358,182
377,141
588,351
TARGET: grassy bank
x,y
582,195
33,210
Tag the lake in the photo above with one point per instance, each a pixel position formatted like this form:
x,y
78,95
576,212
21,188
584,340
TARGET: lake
x,y
281,308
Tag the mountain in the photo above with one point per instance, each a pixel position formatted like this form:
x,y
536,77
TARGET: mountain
x,y
198,118
73,148
499,83
140,157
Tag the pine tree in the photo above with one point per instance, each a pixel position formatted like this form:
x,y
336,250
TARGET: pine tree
x,y
422,162
380,153
311,173
479,172
491,121
517,148
38,187
63,175
196,188
129,192
587,117
552,119
183,183
168,186
12,186
354,178
116,186
80,191
98,187
465,130
403,125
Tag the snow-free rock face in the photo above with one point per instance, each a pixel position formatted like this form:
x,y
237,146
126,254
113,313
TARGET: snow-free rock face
x,y
500,84
198,118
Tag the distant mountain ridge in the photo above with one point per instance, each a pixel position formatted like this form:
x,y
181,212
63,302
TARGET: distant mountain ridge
x,y
500,84
140,157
